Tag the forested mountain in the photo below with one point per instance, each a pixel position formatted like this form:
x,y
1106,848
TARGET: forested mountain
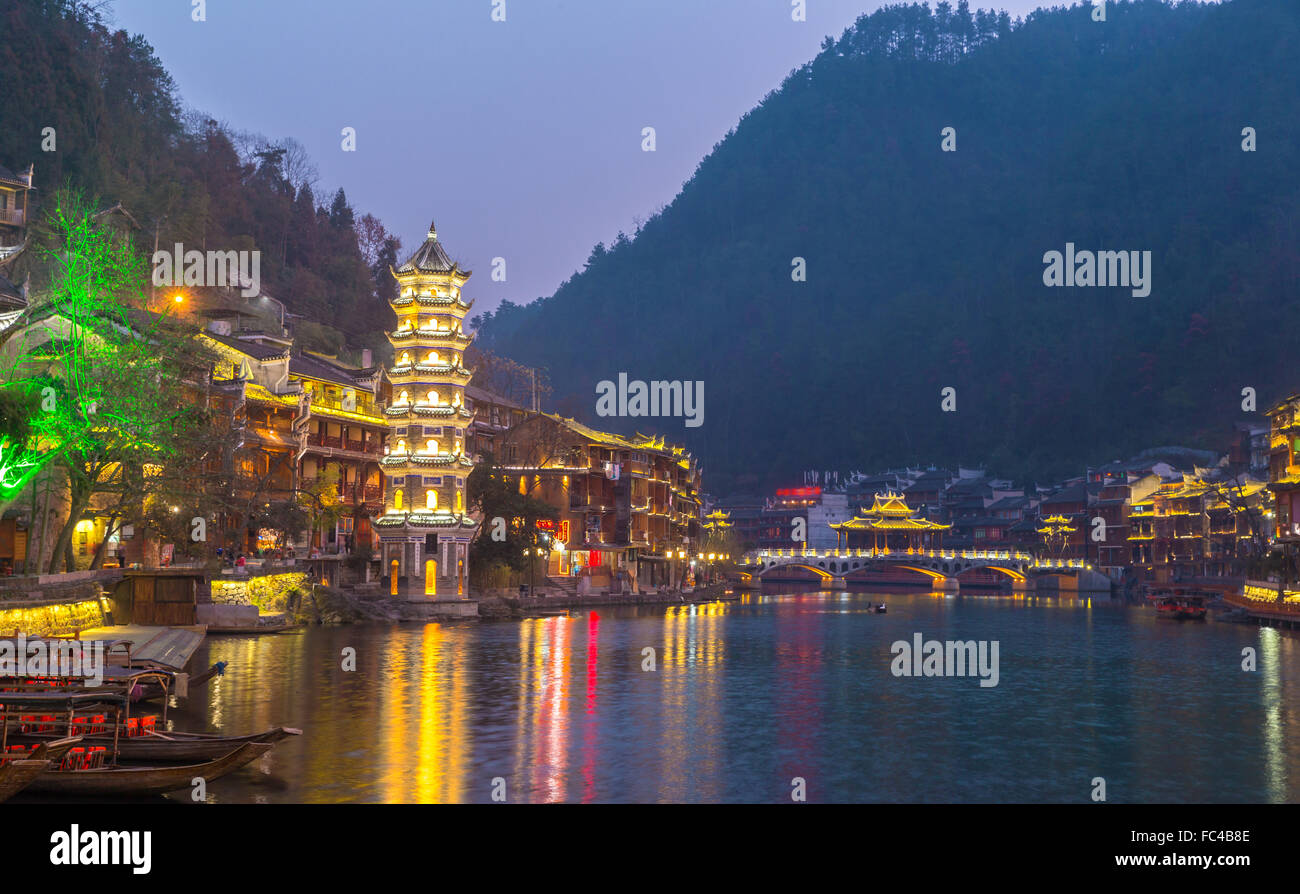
x,y
121,134
925,268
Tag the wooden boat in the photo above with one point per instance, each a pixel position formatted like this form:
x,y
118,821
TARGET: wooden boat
x,y
880,608
53,751
170,747
1181,608
17,775
1179,604
141,684
136,781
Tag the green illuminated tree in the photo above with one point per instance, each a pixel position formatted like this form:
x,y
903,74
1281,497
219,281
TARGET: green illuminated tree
x,y
119,385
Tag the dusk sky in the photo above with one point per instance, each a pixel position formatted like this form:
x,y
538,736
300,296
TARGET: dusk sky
x,y
521,139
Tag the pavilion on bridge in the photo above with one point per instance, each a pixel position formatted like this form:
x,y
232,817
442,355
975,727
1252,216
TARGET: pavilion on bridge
x,y
890,525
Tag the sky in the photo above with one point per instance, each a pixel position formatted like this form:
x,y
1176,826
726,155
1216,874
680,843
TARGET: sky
x,y
521,139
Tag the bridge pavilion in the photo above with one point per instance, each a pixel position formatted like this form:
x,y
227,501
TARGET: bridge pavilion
x,y
890,525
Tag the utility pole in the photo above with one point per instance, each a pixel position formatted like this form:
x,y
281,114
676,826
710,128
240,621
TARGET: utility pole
x,y
152,288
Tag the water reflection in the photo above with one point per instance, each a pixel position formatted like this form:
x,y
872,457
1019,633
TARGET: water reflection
x,y
746,696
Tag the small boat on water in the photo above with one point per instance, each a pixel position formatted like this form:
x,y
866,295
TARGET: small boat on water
x,y
1180,607
90,762
136,781
169,747
879,608
18,774
143,684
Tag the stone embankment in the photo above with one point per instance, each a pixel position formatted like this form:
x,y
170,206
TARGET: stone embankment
x,y
327,606
521,607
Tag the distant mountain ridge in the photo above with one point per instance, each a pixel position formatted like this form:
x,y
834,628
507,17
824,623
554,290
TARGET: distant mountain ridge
x,y
925,268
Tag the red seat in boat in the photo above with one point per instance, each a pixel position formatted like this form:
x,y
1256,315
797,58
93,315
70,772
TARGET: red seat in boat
x,y
75,759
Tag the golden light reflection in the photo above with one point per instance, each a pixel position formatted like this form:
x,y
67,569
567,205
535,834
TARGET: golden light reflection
x,y
690,750
1269,663
541,754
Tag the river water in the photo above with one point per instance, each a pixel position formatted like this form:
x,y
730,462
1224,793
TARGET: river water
x,y
746,697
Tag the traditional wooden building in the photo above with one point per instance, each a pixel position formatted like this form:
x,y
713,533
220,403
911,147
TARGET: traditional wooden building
x,y
425,529
629,506
1193,527
306,419
1284,468
15,209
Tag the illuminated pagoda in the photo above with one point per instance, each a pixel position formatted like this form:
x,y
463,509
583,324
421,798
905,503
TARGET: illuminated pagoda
x,y
717,521
890,525
1056,531
425,531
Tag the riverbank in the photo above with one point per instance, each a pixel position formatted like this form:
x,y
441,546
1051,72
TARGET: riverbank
x,y
328,607
521,607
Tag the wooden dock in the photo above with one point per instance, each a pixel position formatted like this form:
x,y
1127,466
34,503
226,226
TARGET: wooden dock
x,y
170,647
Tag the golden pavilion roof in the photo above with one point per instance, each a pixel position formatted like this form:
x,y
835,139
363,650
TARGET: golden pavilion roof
x,y
889,512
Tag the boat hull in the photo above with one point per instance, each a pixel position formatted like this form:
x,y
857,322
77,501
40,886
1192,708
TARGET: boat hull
x,y
17,775
175,748
139,781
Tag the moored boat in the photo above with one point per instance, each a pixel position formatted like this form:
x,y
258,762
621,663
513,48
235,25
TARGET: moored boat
x,y
140,781
1180,606
169,747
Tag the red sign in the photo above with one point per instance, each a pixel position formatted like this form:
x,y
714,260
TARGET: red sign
x,y
799,492
545,524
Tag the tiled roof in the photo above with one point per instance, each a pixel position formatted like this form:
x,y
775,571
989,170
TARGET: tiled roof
x,y
11,177
429,257
254,349
319,368
480,395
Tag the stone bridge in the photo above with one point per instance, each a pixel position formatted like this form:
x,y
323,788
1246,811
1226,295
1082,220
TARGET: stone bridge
x,y
940,565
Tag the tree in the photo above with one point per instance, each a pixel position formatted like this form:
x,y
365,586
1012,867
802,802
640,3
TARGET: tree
x,y
20,457
115,378
509,536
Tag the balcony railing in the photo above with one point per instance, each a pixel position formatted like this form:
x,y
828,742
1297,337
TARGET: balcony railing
x,y
338,443
363,406
12,216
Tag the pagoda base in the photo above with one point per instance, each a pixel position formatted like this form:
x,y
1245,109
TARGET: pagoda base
x,y
426,567
435,609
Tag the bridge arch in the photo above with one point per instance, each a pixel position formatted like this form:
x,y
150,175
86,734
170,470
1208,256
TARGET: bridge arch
x,y
820,572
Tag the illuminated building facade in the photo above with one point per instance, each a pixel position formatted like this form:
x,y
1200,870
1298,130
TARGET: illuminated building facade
x,y
425,529
1284,468
1192,527
630,505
